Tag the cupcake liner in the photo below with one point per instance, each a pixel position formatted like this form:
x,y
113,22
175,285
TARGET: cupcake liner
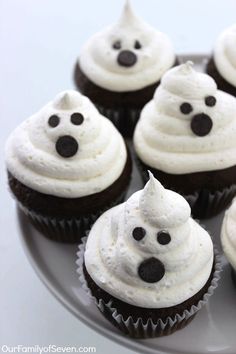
x,y
124,119
204,204
64,229
149,328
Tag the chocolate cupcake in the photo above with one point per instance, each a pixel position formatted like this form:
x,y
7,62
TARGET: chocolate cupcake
x,y
66,165
222,64
186,137
148,264
228,237
120,67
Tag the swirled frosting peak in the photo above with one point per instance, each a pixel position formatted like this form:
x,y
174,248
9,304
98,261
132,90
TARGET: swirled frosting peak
x,y
67,100
128,55
146,255
225,54
161,207
228,234
67,149
129,18
186,82
189,126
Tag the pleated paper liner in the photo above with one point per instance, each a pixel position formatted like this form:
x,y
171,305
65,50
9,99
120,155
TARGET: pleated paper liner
x,y
150,328
124,119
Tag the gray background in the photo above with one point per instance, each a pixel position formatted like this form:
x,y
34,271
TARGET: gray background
x,y
39,42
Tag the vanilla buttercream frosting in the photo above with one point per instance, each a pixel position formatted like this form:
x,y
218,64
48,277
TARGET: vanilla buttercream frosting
x,y
189,126
148,251
225,54
150,54
67,149
228,234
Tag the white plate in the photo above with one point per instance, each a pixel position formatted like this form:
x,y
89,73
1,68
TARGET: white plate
x,y
213,329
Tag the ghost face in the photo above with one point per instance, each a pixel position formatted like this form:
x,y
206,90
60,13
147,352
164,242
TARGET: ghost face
x,y
201,123
125,51
151,270
127,57
66,145
67,130
201,114
153,246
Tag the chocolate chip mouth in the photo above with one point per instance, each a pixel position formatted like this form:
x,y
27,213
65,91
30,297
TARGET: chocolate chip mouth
x,y
127,58
67,146
201,124
151,270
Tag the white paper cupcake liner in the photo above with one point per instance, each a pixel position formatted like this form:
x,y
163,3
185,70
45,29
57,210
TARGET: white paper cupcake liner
x,y
204,204
124,119
150,328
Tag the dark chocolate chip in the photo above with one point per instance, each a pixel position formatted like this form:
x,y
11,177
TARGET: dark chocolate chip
x,y
201,124
77,118
117,45
138,233
163,237
67,146
151,270
210,101
53,121
186,108
126,58
137,45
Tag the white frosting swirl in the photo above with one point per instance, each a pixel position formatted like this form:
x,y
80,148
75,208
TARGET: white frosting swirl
x,y
32,158
163,137
113,256
225,54
228,234
98,59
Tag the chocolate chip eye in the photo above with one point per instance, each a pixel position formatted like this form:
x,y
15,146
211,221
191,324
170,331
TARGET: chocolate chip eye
x,y
210,101
163,237
138,233
117,45
186,108
137,45
77,118
53,121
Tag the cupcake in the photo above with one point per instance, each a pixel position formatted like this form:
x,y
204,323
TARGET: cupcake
x,y
186,137
120,67
66,165
148,264
222,64
228,237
